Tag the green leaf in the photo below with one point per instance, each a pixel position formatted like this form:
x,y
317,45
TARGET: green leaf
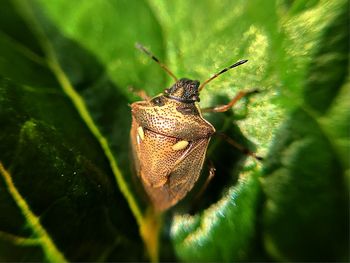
x,y
55,167
306,211
58,167
305,193
205,236
281,46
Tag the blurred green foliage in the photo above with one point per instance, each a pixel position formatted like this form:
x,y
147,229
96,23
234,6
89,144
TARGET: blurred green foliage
x,y
66,190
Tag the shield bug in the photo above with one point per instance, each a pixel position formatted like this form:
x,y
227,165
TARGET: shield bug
x,y
169,137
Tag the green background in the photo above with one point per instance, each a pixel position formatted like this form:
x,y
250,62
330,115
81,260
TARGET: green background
x,y
66,68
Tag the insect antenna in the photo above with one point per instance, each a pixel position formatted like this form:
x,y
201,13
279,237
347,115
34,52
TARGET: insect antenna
x,y
145,50
238,63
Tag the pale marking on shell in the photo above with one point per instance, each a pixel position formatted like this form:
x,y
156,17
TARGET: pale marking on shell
x,y
141,133
138,139
180,145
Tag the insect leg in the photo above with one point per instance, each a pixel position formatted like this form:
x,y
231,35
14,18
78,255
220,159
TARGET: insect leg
x,y
211,175
140,93
202,189
226,107
238,146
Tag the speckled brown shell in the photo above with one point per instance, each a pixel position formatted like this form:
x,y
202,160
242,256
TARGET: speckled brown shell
x,y
166,174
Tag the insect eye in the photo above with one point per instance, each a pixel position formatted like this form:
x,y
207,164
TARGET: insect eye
x,y
158,101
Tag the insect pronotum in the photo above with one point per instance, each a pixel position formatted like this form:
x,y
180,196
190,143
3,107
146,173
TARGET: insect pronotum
x,y
169,137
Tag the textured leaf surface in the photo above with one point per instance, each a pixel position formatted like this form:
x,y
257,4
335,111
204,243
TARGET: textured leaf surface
x,y
65,183
305,177
299,209
56,164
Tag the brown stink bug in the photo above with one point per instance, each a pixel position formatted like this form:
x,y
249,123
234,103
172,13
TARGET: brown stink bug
x,y
169,138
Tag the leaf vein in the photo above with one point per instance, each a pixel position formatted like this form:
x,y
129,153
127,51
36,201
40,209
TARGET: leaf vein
x,y
78,103
44,238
